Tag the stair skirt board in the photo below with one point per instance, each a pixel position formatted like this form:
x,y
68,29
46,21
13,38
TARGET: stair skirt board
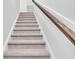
x,y
26,41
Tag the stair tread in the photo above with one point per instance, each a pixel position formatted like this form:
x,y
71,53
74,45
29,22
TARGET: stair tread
x,y
26,18
27,21
26,35
26,28
26,32
26,42
26,52
16,29
26,12
26,24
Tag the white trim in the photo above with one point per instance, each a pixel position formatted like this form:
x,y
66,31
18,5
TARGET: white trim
x,y
6,42
62,18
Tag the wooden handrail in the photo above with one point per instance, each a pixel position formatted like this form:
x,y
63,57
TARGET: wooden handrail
x,y
66,30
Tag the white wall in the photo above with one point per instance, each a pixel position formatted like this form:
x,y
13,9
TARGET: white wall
x,y
64,7
23,5
11,8
29,5
26,5
59,45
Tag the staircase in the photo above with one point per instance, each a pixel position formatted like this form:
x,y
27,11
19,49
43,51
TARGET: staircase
x,y
26,41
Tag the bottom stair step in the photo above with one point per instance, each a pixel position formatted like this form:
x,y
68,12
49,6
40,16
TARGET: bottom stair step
x,y
26,53
26,46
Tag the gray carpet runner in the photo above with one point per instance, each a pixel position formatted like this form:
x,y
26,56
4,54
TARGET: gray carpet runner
x,y
26,41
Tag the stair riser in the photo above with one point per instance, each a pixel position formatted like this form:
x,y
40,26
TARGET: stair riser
x,y
26,14
22,28
26,46
26,32
27,20
26,35
26,38
26,24
26,28
26,17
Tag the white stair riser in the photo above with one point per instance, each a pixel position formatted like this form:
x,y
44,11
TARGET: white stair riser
x,y
26,28
26,23
26,20
26,38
